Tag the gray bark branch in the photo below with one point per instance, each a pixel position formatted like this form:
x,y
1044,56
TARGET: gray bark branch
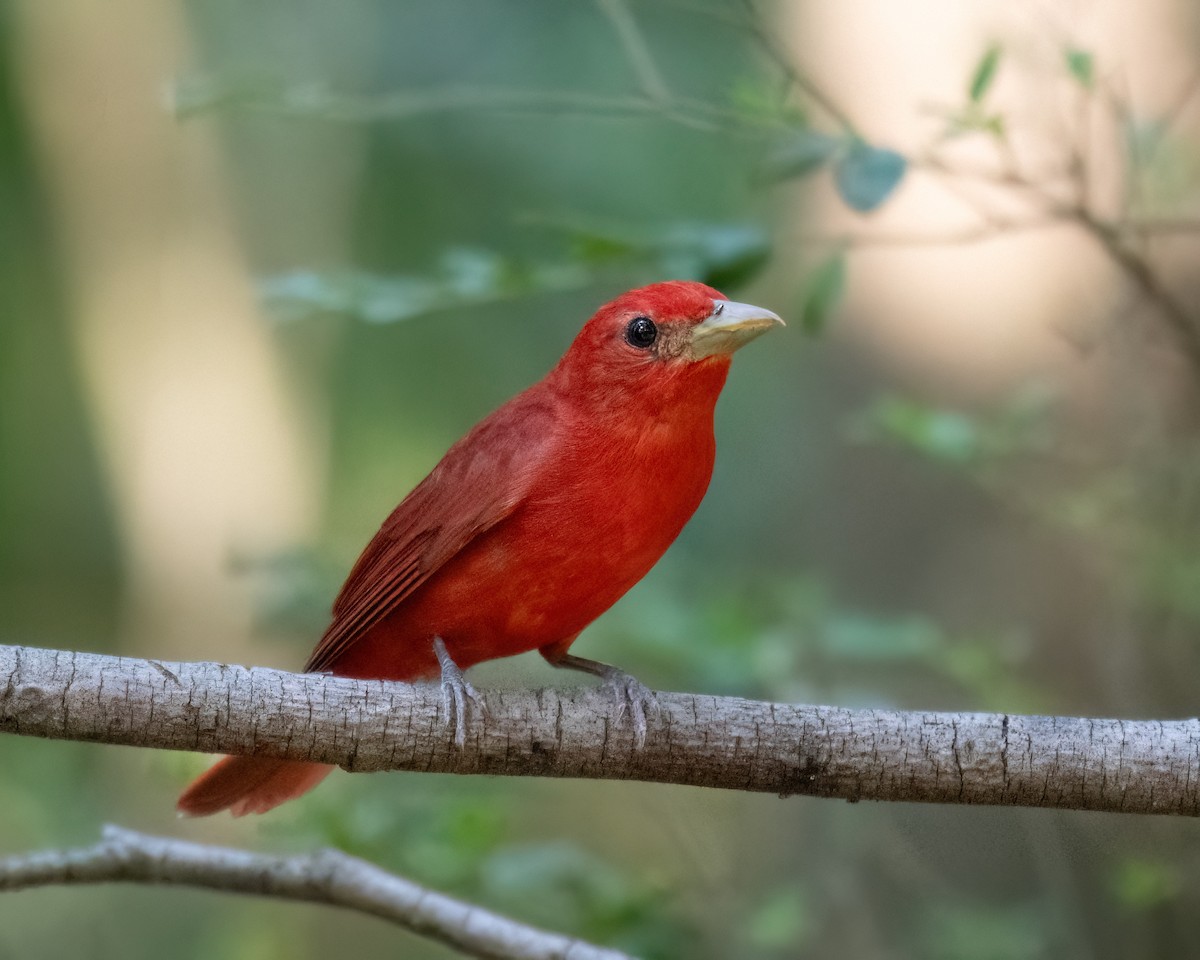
x,y
1134,766
327,876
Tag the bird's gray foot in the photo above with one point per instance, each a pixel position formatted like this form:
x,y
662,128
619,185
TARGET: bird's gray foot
x,y
632,697
458,695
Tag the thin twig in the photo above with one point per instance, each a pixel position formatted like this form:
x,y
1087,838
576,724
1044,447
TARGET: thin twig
x,y
1182,325
1180,102
1110,236
979,233
402,105
637,50
1158,225
794,75
327,876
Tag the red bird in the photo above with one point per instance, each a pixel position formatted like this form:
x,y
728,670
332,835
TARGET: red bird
x,y
534,523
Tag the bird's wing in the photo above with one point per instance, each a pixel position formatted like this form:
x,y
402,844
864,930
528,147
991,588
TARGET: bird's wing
x,y
482,479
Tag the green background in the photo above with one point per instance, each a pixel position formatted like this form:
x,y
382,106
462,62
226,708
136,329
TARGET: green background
x,y
875,535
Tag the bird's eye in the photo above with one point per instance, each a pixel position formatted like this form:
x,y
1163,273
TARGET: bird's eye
x,y
641,332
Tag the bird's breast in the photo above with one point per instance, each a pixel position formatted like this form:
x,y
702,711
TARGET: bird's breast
x,y
591,527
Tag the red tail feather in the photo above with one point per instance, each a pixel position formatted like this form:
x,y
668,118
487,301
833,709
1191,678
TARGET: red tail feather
x,y
249,785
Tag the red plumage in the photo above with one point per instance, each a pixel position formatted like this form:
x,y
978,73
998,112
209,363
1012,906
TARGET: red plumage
x,y
536,521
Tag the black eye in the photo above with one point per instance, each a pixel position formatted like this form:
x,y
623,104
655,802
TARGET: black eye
x,y
641,332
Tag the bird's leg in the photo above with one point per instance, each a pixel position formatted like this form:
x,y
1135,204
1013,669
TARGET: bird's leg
x,y
632,696
457,692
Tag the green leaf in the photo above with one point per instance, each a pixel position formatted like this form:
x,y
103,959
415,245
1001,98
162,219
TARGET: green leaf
x,y
866,176
1082,66
983,931
1144,884
943,435
985,73
784,921
599,249
825,288
802,154
861,637
761,102
719,254
462,277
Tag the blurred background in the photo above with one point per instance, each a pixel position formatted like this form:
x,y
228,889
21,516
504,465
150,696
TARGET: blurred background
x,y
262,263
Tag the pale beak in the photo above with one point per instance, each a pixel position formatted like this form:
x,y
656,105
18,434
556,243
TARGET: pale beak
x,y
729,326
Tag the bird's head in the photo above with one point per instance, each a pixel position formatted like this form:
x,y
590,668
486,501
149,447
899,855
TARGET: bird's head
x,y
662,332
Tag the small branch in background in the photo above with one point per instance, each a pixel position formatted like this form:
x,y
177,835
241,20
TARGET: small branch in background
x,y
1112,236
1137,268
980,233
1159,226
327,876
795,77
964,758
1181,101
197,95
637,50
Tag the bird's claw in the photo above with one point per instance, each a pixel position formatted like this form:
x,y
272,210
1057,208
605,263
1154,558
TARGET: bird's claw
x,y
457,693
634,699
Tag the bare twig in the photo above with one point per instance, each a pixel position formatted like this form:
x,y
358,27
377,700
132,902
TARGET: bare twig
x,y
1115,765
637,50
975,233
770,46
403,105
1183,326
1158,226
1112,236
1180,102
327,876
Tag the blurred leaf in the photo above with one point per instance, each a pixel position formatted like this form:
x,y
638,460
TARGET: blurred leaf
x,y
199,93
866,176
1143,138
991,931
860,637
943,435
759,101
719,254
1098,503
564,887
462,277
1142,884
783,921
804,152
985,73
437,834
724,255
595,248
825,288
293,590
986,666
1168,571
973,118
1081,65
730,255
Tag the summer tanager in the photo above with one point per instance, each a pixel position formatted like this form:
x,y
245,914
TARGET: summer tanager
x,y
534,523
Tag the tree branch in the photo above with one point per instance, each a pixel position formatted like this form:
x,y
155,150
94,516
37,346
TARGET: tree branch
x,y
1080,764
327,876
